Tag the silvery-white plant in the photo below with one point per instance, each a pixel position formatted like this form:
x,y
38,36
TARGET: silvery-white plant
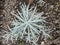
x,y
28,25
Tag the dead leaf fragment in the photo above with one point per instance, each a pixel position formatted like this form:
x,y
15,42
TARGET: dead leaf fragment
x,y
30,1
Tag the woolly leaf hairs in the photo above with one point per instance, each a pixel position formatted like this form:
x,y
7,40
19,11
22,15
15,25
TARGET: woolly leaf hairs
x,y
27,25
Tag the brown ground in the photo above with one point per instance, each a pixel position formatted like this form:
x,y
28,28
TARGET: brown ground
x,y
52,12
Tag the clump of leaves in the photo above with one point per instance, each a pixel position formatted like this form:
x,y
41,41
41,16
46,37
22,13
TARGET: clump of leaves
x,y
27,26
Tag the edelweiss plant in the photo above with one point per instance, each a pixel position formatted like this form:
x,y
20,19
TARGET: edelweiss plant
x,y
27,25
